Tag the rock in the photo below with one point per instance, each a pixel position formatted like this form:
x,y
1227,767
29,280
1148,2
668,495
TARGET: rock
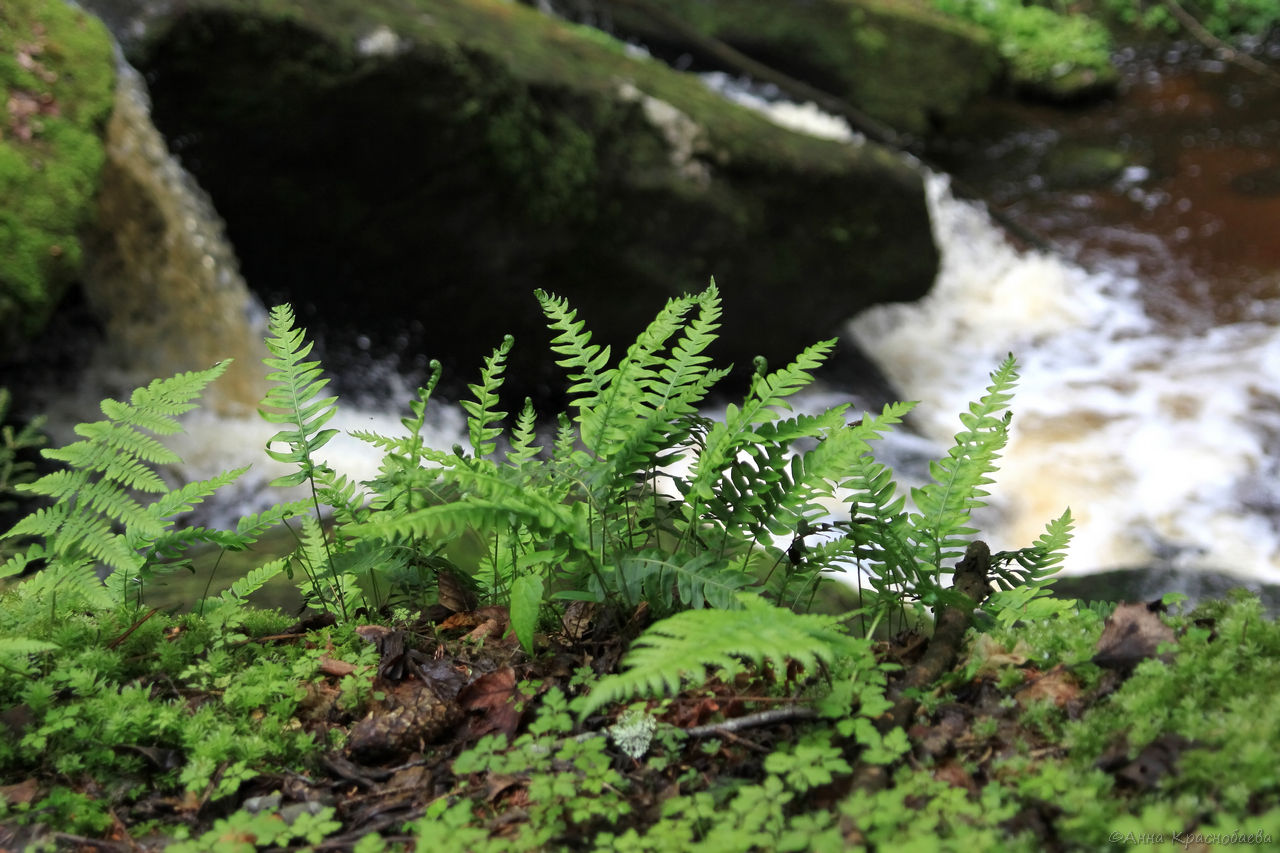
x,y
1075,166
55,96
413,175
900,61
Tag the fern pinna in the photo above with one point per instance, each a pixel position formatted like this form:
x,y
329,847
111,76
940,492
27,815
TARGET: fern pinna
x,y
99,517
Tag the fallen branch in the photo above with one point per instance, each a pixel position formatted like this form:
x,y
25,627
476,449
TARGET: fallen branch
x,y
1226,51
971,579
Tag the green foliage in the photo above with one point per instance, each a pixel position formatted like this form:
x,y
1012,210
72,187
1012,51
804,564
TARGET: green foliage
x,y
1040,44
96,518
681,647
1225,19
14,441
57,73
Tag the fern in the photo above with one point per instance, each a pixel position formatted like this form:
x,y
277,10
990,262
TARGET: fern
x,y
96,518
946,504
681,648
14,470
481,412
294,399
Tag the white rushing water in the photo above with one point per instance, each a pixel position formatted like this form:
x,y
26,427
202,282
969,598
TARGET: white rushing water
x,y
1163,446
1160,445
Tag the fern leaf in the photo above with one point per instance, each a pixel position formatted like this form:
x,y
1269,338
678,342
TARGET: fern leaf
x,y
185,498
481,411
256,578
522,436
605,422
585,359
294,399
682,647
1040,561
946,504
768,394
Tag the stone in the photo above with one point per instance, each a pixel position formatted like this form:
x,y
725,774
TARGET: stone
x,y
902,62
407,175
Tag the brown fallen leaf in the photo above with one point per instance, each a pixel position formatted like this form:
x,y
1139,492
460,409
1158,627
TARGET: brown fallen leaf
x,y
1131,635
334,667
1057,686
20,794
492,698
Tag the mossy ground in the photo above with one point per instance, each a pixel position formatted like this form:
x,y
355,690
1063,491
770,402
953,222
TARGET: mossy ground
x,y
57,77
138,729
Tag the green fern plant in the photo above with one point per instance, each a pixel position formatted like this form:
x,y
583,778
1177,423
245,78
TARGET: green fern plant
x,y
99,520
681,648
583,519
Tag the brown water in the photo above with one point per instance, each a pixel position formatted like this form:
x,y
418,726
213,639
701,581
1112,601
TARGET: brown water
x,y
1195,216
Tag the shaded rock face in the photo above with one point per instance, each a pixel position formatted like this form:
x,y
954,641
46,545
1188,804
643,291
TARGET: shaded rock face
x,y
415,190
900,61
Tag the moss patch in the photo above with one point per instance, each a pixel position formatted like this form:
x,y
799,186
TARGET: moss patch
x,y
56,80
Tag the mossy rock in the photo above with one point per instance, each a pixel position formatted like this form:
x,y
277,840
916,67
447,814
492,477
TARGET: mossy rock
x,y
415,175
900,61
1083,166
57,75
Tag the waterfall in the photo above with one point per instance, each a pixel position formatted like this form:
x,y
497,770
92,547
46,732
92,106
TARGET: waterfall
x,y
160,272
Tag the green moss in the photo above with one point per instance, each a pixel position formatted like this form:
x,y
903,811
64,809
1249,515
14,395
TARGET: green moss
x,y
1056,54
57,76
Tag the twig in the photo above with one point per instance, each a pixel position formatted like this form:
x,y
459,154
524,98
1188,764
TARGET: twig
x,y
971,579
760,718
1226,51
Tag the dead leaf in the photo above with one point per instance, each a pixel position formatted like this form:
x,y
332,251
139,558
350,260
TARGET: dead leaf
x,y
337,668
1131,635
20,794
1057,686
1152,763
992,656
492,697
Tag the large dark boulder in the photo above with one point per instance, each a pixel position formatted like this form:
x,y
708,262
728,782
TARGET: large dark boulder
x,y
407,174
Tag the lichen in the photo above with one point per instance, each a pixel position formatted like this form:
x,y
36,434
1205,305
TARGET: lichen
x,y
56,80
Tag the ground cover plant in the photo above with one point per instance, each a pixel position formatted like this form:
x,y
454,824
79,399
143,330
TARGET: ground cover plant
x,y
630,639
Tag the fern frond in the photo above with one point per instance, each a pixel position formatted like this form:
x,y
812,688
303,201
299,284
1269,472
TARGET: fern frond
x,y
294,399
945,505
1039,562
878,523
185,498
522,436
251,526
585,359
683,647
481,412
256,578
768,394
670,390
605,421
